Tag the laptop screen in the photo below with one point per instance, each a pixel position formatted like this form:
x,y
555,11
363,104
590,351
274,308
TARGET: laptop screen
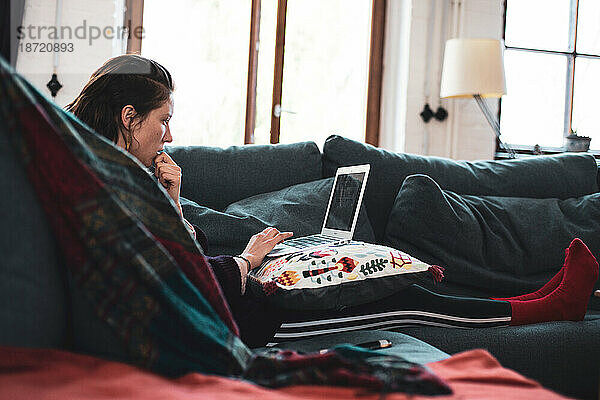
x,y
344,201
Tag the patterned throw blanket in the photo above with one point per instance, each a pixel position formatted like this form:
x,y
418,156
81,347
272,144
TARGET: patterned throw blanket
x,y
125,246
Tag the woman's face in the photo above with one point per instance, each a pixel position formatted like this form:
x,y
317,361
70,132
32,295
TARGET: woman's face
x,y
150,136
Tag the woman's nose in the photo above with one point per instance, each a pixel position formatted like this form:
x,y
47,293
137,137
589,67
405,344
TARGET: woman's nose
x,y
168,138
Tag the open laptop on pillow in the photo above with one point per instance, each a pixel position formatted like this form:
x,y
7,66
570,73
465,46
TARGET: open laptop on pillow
x,y
341,215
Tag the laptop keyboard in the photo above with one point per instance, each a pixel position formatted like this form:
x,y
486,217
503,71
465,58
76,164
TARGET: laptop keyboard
x,y
309,241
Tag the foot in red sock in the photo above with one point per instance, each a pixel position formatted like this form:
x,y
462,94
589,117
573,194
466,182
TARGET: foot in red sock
x,y
570,299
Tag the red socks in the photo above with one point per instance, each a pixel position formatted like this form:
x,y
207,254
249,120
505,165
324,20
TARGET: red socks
x,y
568,301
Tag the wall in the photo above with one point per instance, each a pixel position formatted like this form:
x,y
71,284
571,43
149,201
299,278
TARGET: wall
x,y
465,134
74,68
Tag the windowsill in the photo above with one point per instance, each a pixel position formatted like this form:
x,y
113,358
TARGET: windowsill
x,y
527,151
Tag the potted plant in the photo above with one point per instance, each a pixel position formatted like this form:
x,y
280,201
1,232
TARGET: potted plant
x,y
574,142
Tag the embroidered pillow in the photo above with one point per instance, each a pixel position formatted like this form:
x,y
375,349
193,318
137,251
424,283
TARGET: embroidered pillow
x,y
336,276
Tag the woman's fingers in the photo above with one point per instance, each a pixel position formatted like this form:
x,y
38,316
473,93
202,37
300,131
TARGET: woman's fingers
x,y
168,174
270,232
163,163
166,168
273,233
262,243
168,180
174,175
164,158
281,236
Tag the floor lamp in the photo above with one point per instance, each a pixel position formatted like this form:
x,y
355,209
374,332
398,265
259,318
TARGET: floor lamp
x,y
475,68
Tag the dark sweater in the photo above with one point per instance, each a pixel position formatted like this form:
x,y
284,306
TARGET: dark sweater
x,y
256,318
225,268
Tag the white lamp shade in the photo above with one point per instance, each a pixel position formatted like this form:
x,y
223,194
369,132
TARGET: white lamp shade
x,y
473,66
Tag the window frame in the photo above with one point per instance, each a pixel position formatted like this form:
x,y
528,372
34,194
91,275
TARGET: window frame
x,y
133,19
571,56
135,11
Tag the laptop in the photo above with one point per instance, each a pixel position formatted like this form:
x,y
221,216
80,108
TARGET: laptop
x,y
341,215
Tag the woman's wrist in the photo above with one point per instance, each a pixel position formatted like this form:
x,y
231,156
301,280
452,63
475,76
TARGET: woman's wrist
x,y
244,266
246,261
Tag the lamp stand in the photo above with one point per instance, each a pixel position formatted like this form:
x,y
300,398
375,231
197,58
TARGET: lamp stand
x,y
494,124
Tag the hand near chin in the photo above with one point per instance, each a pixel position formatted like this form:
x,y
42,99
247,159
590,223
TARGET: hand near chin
x,y
169,175
261,244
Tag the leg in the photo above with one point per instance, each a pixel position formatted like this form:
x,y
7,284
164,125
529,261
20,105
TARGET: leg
x,y
411,306
415,305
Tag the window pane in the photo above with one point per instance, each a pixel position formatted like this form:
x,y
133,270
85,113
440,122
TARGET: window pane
x,y
585,99
588,29
325,69
533,108
204,44
538,24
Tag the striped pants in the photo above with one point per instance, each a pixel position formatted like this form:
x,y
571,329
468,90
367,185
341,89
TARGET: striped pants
x,y
411,306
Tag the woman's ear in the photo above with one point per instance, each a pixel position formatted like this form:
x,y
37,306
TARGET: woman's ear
x,y
127,115
125,137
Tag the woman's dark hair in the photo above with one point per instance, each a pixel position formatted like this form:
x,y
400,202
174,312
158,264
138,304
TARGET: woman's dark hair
x,y
122,80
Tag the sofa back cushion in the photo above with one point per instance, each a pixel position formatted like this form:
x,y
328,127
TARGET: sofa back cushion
x,y
299,208
503,245
215,177
32,291
561,176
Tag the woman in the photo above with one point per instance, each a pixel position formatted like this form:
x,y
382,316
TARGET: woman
x,y
129,101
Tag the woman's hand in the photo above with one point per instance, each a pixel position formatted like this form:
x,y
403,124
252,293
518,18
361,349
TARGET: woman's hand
x,y
261,244
169,175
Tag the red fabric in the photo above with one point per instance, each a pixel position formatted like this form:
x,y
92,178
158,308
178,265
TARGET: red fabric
x,y
437,272
568,302
53,374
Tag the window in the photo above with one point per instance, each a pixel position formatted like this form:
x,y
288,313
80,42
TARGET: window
x,y
204,44
552,63
325,71
308,74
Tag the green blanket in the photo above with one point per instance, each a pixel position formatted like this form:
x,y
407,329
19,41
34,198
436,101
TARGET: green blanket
x,y
126,247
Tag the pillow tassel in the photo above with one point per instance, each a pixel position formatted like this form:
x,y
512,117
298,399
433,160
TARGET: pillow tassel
x,y
437,272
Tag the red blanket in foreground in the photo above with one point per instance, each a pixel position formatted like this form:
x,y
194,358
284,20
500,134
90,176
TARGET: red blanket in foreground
x,y
53,374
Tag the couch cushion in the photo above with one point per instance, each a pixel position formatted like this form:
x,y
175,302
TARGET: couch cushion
x,y
215,177
501,244
299,208
32,291
561,176
404,346
227,234
562,356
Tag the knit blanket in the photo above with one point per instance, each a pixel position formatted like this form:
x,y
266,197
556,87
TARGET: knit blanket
x,y
125,246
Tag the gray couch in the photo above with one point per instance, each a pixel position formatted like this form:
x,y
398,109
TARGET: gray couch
x,y
499,227
233,193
